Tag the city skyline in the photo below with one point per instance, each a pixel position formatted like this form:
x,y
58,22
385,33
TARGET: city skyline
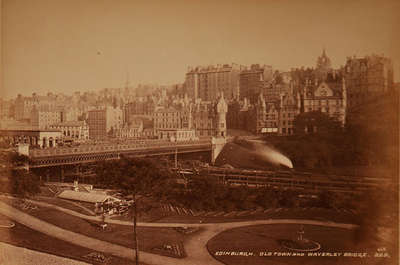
x,y
68,46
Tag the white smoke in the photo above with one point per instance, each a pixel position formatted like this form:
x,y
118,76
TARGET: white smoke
x,y
271,155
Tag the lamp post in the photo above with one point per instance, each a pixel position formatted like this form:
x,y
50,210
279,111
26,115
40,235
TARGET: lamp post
x,y
176,157
134,230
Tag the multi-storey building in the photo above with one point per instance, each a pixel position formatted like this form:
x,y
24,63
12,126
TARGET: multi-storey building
x,y
232,116
320,89
207,82
42,119
70,113
327,97
290,106
251,81
72,130
97,121
263,116
49,103
104,122
274,117
187,119
167,118
203,114
174,123
131,130
114,119
23,107
5,109
273,91
271,121
139,106
367,78
238,116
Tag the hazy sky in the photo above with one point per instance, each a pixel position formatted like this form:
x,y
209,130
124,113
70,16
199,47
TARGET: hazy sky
x,y
69,45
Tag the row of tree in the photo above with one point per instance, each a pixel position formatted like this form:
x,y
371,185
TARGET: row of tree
x,y
147,177
322,143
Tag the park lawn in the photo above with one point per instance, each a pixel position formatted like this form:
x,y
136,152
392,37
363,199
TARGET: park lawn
x,y
265,238
23,236
148,237
63,203
17,202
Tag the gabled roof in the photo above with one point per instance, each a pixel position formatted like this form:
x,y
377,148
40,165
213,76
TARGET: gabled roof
x,y
336,88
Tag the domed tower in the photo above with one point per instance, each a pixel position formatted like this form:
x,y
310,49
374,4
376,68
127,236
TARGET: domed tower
x,y
323,66
222,109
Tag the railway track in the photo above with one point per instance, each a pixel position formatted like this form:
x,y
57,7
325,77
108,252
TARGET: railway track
x,y
290,180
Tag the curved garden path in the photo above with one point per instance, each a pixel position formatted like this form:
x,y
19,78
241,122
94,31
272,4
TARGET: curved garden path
x,y
195,247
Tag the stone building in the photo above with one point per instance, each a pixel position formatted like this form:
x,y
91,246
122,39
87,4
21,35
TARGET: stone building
x,y
252,80
49,103
139,106
321,89
5,109
24,107
183,118
42,119
97,121
203,116
104,122
238,116
290,106
367,79
168,118
131,130
72,130
271,121
32,137
327,97
206,83
263,117
232,116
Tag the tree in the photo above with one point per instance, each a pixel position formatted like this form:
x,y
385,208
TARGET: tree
x,y
316,122
266,198
132,175
24,183
16,159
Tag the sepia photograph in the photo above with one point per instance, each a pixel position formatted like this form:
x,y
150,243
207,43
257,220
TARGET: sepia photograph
x,y
178,132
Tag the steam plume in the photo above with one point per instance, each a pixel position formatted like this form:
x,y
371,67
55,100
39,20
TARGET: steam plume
x,y
271,155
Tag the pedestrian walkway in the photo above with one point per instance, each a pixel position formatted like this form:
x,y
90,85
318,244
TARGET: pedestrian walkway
x,y
195,246
82,240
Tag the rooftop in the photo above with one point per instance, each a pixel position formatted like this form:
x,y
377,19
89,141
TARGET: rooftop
x,y
85,196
